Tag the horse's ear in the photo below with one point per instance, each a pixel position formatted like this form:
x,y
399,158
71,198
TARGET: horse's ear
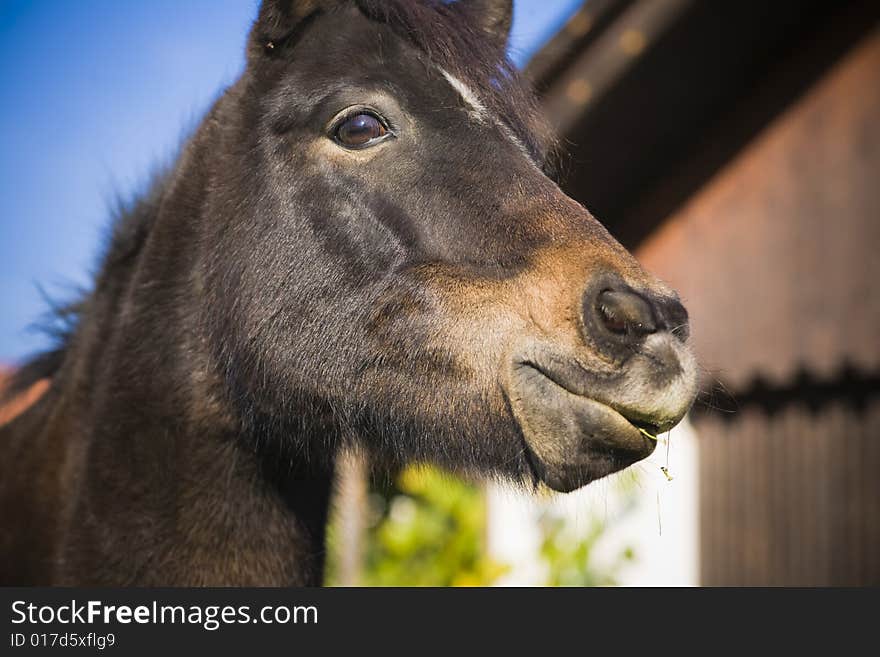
x,y
277,22
494,16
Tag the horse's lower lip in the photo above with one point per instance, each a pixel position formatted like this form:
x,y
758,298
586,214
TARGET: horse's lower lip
x,y
572,439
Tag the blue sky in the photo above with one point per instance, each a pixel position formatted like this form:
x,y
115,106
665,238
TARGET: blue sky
x,y
93,95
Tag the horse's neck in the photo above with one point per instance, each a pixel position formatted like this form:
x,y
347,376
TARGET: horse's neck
x,y
164,508
168,491
164,495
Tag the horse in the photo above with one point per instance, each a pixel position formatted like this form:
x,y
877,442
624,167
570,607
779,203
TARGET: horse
x,y
361,246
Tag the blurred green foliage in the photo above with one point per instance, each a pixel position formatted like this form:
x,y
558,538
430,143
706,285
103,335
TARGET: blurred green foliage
x,y
569,559
570,555
428,528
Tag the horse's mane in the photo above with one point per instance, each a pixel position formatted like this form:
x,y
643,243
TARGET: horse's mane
x,y
129,228
448,35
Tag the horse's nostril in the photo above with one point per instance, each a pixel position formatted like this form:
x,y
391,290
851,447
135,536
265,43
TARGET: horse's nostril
x,y
675,317
625,313
618,318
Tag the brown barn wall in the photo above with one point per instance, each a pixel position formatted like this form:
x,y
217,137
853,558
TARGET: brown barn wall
x,y
778,260
791,500
15,407
778,257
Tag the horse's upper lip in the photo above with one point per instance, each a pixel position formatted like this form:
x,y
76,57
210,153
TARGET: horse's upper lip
x,y
574,379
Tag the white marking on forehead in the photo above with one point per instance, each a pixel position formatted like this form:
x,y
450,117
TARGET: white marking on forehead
x,y
478,110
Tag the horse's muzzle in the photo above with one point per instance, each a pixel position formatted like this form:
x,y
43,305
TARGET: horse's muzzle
x,y
580,425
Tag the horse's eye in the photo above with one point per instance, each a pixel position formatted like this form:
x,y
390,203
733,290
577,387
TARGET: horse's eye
x,y
360,130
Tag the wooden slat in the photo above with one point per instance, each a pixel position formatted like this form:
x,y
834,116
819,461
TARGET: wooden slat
x,y
791,499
